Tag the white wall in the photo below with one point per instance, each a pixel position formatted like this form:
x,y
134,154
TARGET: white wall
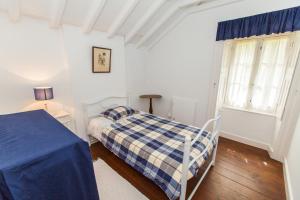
x,y
181,64
293,164
178,66
85,84
32,54
251,128
136,76
88,86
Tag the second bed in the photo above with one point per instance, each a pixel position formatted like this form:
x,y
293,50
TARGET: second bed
x,y
167,152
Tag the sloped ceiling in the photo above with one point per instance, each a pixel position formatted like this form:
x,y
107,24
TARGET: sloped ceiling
x,y
137,20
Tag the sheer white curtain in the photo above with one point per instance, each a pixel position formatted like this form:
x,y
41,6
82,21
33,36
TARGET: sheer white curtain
x,y
256,73
240,70
270,74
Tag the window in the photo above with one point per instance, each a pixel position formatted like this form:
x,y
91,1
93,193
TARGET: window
x,y
257,72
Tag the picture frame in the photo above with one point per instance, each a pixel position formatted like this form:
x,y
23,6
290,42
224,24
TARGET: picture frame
x,y
101,59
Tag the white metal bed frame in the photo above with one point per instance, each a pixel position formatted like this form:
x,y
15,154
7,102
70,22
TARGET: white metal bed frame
x,y
94,108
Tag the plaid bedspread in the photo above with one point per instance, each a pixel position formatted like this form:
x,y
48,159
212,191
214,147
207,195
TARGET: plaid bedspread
x,y
154,147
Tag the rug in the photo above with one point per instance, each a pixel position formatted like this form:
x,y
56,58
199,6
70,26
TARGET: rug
x,y
111,186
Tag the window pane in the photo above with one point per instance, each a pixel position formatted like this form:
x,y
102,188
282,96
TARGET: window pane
x,y
270,74
240,70
259,79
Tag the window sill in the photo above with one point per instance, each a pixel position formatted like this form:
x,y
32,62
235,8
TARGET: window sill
x,y
248,111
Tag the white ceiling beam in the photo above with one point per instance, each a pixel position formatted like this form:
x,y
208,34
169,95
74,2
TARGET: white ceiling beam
x,y
172,11
122,17
58,13
190,3
150,12
207,6
93,16
170,27
210,4
154,28
14,10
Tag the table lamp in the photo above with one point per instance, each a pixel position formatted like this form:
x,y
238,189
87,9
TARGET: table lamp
x,y
43,94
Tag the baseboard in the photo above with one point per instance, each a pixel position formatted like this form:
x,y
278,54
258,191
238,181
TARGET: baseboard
x,y
274,156
287,181
247,141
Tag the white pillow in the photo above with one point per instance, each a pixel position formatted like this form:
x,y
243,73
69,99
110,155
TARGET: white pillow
x,y
97,125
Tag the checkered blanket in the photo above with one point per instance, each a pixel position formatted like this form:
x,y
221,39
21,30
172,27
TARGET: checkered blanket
x,y
154,147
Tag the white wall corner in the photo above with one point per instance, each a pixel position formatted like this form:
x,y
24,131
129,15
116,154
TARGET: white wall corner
x,y
287,180
14,10
275,156
253,143
247,141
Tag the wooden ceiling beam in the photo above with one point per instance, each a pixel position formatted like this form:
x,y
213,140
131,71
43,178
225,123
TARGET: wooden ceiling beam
x,y
140,24
171,12
122,17
93,16
209,4
58,13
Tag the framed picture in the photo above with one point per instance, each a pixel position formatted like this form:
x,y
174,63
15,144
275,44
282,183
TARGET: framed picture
x,y
101,60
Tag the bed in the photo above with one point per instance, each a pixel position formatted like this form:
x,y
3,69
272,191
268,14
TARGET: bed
x,y
41,159
167,152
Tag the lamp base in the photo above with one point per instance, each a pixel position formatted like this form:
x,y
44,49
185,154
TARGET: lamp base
x,y
46,107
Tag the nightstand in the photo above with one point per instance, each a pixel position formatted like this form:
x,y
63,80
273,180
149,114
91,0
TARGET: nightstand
x,y
92,140
65,118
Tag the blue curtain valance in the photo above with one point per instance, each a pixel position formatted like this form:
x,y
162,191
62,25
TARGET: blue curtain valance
x,y
262,24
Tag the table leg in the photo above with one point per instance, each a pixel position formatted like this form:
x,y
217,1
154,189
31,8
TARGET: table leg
x,y
150,107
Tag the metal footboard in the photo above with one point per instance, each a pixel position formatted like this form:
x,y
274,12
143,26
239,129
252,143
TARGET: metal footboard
x,y
186,155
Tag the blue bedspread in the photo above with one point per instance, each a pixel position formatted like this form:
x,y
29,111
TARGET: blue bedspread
x,y
40,159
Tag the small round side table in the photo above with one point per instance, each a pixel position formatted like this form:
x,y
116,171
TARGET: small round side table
x,y
150,97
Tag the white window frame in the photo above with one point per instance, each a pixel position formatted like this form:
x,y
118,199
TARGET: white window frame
x,y
294,45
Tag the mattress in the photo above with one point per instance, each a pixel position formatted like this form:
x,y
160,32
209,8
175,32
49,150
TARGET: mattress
x,y
97,125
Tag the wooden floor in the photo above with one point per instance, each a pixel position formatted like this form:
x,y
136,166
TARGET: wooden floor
x,y
241,172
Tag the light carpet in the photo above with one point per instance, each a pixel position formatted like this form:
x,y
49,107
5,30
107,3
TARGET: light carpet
x,y
111,186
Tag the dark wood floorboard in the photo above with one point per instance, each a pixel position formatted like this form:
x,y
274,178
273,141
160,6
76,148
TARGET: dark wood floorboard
x,y
241,172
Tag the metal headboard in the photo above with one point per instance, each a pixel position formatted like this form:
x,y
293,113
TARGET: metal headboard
x,y
92,109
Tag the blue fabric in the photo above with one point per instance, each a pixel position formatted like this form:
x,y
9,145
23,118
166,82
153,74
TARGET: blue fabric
x,y
282,21
40,159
